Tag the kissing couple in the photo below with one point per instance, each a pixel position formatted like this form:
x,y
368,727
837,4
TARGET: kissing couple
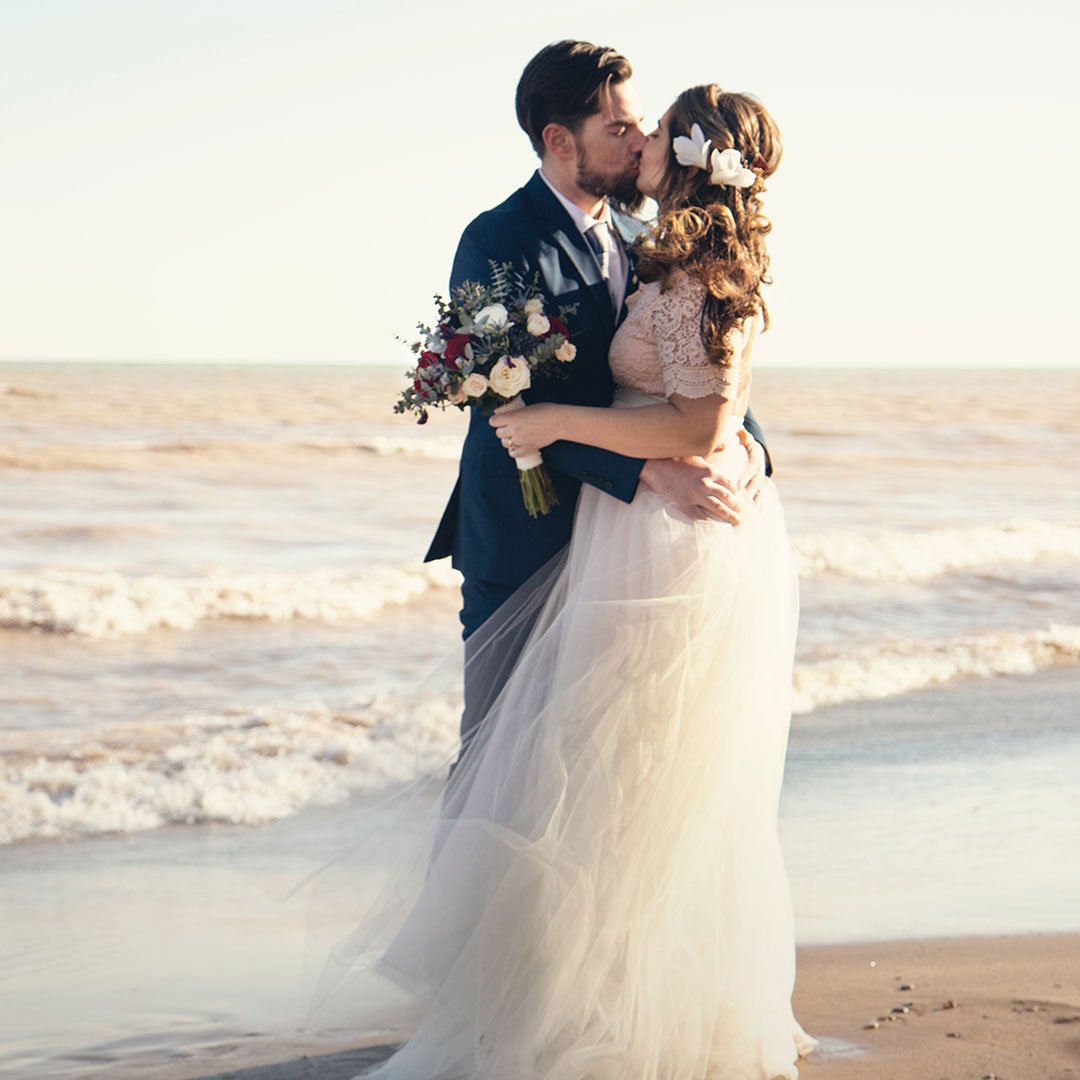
x,y
605,896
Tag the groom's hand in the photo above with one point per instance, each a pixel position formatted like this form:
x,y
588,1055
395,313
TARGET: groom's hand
x,y
754,474
693,486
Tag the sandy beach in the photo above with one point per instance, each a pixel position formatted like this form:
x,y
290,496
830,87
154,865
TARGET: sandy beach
x,y
1006,1007
1001,1007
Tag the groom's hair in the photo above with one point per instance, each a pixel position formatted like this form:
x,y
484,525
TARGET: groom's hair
x,y
565,83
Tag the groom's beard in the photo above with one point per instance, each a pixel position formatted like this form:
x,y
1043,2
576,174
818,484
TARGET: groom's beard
x,y
621,190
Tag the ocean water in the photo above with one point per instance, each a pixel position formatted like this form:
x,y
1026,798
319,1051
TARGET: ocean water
x,y
211,592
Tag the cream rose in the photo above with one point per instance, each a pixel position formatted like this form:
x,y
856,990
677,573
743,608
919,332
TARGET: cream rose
x,y
510,376
491,319
538,325
457,395
534,306
475,385
566,352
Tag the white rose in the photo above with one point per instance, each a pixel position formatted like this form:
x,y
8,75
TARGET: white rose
x,y
475,385
492,319
538,325
566,352
534,306
510,376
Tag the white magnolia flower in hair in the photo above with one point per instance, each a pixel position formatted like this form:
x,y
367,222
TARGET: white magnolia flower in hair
x,y
728,169
692,152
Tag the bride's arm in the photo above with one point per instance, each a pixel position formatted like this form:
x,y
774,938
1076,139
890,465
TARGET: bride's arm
x,y
681,427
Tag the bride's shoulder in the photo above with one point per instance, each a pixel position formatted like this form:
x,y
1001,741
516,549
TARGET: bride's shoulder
x,y
677,325
678,300
683,295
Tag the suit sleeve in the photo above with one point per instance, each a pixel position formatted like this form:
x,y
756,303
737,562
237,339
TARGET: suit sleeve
x,y
612,473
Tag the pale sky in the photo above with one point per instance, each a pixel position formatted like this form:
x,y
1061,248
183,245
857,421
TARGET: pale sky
x,y
286,180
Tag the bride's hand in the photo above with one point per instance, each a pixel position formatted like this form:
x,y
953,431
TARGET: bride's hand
x,y
525,431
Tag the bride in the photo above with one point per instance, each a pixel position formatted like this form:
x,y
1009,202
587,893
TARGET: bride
x,y
604,896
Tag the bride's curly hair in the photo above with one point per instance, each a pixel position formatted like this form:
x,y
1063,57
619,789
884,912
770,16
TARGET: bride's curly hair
x,y
715,233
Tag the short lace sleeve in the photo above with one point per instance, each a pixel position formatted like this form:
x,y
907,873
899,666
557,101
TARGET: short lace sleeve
x,y
685,366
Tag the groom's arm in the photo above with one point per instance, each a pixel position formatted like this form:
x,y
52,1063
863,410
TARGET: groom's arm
x,y
612,473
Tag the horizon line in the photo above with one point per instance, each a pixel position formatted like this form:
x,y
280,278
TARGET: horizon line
x,y
277,362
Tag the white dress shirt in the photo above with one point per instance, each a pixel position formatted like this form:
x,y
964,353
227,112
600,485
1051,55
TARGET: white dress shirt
x,y
619,261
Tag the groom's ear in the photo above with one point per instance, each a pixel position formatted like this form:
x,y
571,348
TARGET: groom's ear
x,y
559,142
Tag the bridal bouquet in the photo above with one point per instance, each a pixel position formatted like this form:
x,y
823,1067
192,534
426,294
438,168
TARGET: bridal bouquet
x,y
487,343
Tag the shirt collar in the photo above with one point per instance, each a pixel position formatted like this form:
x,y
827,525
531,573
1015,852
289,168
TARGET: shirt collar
x,y
583,221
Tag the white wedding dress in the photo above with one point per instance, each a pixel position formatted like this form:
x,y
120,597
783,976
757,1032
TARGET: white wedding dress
x,y
606,897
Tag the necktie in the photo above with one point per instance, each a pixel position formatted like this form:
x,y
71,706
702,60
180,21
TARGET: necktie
x,y
600,240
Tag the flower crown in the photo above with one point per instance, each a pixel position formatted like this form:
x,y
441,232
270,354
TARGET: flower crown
x,y
725,167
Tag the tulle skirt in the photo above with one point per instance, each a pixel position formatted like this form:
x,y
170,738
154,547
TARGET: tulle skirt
x,y
604,895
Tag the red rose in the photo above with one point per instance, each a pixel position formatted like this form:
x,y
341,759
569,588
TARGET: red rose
x,y
427,359
557,326
455,348
421,389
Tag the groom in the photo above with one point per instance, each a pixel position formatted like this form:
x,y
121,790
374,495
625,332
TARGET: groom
x,y
576,104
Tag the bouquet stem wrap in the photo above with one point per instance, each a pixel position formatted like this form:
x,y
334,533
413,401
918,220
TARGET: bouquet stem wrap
x,y
536,487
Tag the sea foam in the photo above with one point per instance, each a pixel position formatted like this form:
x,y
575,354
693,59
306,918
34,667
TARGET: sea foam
x,y
105,603
910,555
888,669
238,766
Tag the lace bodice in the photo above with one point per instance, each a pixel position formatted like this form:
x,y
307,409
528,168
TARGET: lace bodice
x,y
658,348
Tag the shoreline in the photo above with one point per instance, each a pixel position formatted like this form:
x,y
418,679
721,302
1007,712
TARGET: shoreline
x,y
1016,1016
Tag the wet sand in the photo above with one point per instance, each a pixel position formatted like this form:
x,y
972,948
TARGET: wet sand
x,y
1002,1007
1006,1007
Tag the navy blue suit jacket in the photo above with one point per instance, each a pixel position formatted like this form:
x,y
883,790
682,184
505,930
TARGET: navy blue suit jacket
x,y
485,527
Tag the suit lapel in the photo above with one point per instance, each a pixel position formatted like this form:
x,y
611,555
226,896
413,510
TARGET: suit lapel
x,y
581,255
566,234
